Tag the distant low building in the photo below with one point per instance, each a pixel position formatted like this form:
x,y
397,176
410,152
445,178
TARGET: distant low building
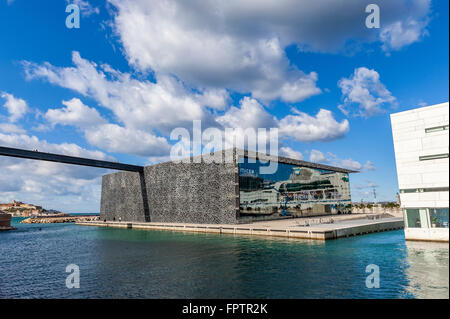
x,y
19,209
5,206
421,142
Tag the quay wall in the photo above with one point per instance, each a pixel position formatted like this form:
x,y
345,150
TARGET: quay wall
x,y
332,232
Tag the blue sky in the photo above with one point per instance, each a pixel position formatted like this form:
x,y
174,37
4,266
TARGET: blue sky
x,y
134,70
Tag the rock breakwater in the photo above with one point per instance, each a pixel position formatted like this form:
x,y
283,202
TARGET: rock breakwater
x,y
65,219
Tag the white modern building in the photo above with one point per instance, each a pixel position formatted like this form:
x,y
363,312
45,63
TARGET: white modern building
x,y
421,143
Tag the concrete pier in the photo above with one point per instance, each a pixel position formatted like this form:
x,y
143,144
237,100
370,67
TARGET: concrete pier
x,y
318,228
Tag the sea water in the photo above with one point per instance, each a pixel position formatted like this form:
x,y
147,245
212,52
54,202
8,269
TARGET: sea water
x,y
128,263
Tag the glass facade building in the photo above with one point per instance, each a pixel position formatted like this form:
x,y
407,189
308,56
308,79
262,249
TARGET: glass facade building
x,y
294,190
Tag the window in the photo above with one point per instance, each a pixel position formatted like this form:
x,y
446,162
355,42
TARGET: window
x,y
439,217
436,129
436,189
432,157
424,190
413,218
417,218
411,190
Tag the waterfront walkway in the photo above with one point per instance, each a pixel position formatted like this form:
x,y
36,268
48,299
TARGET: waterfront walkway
x,y
319,228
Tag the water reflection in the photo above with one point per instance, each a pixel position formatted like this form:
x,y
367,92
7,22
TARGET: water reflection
x,y
126,263
428,269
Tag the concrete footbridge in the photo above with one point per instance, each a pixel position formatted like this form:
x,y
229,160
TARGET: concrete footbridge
x,y
49,157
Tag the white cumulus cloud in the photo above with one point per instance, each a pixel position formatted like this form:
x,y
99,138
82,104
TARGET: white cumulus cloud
x,y
250,113
11,128
307,128
75,113
114,138
16,107
240,44
108,136
199,42
365,91
143,105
